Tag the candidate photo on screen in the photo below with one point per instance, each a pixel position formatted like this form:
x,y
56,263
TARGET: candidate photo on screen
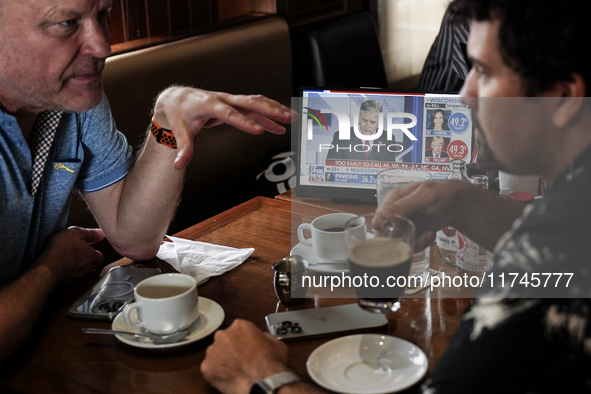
x,y
437,147
437,120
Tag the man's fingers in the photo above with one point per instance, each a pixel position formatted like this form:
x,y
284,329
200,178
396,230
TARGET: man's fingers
x,y
262,105
212,123
252,124
415,198
241,324
266,123
394,202
184,142
90,235
98,259
424,240
424,204
187,110
183,159
269,336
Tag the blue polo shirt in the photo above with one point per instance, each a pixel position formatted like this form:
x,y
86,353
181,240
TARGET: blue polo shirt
x,y
88,153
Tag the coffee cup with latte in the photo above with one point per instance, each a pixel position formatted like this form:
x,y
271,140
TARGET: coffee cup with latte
x,y
163,304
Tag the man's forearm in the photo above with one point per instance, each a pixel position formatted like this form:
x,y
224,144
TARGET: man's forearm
x,y
483,216
67,255
20,305
148,200
135,212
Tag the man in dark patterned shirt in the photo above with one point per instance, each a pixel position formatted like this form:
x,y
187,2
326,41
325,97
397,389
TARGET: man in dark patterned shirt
x,y
527,89
447,64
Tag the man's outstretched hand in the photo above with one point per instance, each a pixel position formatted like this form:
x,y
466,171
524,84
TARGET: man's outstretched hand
x,y
186,111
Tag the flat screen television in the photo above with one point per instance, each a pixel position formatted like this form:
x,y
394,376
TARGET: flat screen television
x,y
346,137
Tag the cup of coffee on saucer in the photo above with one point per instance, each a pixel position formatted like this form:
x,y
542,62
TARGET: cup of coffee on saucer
x,y
164,304
328,237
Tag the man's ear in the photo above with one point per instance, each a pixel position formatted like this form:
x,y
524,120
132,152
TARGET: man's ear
x,y
572,97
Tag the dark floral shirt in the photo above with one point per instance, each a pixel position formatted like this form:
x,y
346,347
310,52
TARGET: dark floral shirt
x,y
523,338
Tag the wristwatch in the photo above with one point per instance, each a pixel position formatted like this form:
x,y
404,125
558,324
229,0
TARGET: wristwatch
x,y
273,383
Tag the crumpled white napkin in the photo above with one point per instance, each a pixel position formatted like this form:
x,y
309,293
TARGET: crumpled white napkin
x,y
201,260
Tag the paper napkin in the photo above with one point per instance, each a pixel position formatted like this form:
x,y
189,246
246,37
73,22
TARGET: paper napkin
x,y
201,260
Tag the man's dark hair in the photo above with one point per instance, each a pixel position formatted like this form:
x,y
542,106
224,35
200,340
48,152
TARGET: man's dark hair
x,y
544,41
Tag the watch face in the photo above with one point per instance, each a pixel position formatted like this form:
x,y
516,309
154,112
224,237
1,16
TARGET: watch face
x,y
258,388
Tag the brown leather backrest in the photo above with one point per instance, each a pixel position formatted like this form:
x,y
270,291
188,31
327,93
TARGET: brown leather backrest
x,y
254,58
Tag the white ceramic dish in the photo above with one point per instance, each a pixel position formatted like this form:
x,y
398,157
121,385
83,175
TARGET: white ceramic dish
x,y
367,364
211,316
308,254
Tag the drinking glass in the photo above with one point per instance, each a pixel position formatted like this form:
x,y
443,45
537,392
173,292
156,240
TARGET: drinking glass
x,y
393,178
380,250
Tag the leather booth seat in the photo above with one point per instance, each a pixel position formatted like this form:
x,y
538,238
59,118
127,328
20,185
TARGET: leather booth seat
x,y
254,58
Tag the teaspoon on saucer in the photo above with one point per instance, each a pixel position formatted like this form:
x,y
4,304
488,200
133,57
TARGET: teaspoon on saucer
x,y
157,339
312,264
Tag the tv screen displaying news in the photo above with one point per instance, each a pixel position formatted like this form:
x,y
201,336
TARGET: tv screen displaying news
x,y
346,138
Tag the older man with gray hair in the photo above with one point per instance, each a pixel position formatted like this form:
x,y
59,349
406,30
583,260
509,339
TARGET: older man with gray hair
x,y
358,148
57,134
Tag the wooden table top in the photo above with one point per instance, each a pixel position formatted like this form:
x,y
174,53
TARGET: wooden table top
x,y
60,358
360,208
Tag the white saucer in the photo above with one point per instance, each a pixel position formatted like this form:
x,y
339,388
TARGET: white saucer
x,y
211,316
308,254
367,363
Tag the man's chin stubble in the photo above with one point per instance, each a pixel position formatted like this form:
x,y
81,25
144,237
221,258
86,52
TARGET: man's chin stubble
x,y
486,157
82,101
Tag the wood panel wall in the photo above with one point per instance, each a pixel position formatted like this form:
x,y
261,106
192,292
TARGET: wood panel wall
x,y
143,19
140,19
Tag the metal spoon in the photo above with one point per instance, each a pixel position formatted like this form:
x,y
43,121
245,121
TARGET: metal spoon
x,y
328,263
157,339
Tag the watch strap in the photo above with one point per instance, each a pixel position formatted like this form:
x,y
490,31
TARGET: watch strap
x,y
273,383
163,136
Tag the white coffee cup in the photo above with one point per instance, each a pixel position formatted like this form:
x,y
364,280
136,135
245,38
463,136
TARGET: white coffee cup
x,y
328,236
164,303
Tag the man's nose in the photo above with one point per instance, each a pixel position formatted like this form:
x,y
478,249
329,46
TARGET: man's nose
x,y
469,91
95,40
